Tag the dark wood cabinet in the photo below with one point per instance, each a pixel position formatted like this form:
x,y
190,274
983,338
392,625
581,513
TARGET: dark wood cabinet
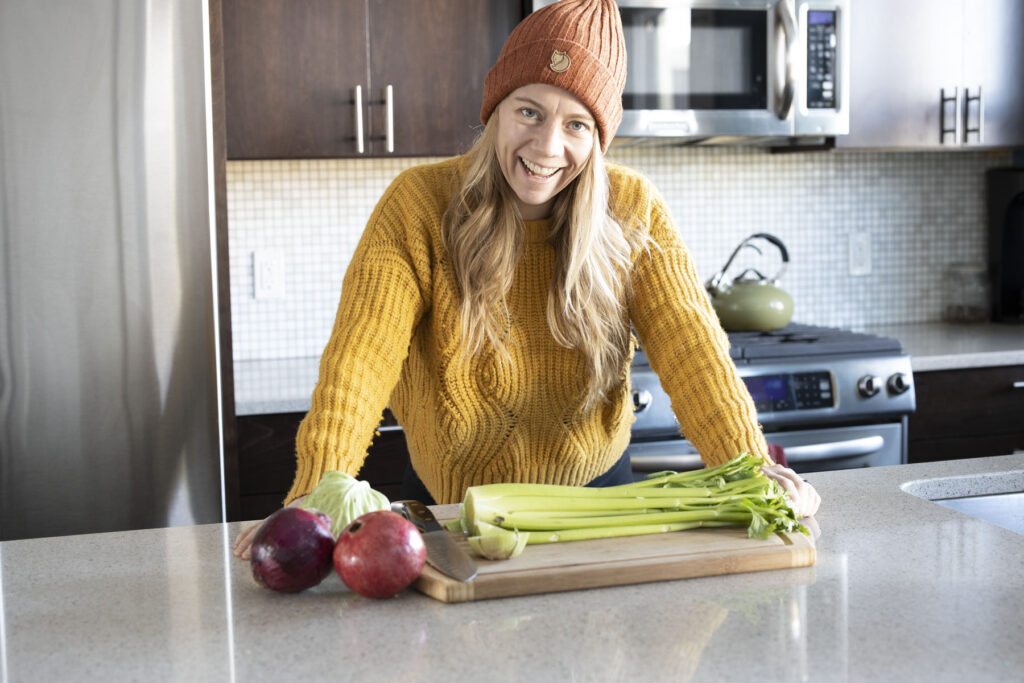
x,y
266,461
290,68
293,67
968,413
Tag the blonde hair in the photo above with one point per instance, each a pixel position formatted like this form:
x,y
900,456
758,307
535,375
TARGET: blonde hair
x,y
586,308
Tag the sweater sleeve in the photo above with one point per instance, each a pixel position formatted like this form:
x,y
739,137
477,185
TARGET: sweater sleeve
x,y
685,343
384,295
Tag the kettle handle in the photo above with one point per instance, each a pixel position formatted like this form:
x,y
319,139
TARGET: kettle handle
x,y
716,279
777,242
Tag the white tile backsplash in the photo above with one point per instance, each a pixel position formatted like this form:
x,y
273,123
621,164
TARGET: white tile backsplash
x,y
920,211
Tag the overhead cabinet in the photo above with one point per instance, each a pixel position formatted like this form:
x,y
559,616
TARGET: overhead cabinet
x,y
942,74
351,78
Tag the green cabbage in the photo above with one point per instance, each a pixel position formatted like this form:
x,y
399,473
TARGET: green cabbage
x,y
343,498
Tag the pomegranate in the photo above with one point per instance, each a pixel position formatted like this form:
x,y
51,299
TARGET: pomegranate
x,y
292,550
379,554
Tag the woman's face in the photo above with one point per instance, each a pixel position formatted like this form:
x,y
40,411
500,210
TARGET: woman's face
x,y
545,135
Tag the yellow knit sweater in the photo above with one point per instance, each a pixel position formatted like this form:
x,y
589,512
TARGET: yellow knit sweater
x,y
477,420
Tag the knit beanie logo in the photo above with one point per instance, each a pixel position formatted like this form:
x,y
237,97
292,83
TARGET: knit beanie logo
x,y
560,62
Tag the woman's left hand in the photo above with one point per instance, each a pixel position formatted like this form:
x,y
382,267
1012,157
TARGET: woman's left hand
x,y
802,496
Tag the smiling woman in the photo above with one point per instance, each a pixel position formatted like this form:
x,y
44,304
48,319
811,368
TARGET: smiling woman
x,y
491,299
544,137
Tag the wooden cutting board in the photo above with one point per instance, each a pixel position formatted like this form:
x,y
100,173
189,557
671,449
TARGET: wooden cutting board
x,y
616,561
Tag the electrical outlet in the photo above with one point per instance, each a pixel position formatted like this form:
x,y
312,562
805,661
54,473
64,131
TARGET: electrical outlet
x,y
860,253
268,275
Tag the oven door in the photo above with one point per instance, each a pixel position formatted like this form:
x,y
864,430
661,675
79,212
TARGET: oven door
x,y
807,450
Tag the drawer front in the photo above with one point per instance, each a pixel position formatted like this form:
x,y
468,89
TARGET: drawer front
x,y
976,401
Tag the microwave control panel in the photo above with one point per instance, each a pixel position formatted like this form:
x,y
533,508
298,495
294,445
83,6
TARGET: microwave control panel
x,y
821,59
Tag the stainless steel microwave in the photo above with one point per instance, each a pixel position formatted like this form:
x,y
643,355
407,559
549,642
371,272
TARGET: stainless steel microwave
x,y
707,69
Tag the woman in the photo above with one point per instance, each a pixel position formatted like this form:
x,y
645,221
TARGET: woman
x,y
491,297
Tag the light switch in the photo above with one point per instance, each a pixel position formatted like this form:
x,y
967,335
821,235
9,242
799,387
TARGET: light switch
x,y
268,274
860,252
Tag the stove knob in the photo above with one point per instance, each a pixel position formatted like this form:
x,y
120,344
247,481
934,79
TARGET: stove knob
x,y
897,383
641,399
869,385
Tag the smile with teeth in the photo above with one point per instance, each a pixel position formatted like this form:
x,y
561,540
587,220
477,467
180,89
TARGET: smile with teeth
x,y
537,170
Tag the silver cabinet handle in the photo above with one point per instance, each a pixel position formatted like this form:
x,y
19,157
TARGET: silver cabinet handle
x,y
785,57
357,98
957,128
980,130
1019,384
389,119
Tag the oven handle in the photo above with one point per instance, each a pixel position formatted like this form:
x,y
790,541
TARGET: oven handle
x,y
833,450
655,463
850,448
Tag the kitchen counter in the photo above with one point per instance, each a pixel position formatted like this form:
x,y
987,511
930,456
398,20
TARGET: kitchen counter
x,y
903,589
950,346
286,385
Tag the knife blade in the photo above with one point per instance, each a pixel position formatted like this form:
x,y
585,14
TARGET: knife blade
x,y
443,553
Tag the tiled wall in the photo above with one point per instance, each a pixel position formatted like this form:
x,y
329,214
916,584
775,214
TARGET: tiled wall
x,y
921,211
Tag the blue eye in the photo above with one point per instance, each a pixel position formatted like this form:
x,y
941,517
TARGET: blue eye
x,y
528,113
578,126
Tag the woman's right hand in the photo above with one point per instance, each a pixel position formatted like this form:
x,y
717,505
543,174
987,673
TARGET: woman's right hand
x,y
243,544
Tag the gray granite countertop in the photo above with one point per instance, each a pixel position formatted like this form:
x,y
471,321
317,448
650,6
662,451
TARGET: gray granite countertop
x,y
903,589
950,346
275,386
286,385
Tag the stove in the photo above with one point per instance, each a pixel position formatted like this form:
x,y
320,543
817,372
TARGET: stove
x,y
831,398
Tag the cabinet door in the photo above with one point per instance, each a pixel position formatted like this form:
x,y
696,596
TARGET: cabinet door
x,y
901,55
993,59
434,54
266,461
967,413
291,67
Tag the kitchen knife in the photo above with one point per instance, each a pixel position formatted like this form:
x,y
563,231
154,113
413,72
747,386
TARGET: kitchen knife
x,y
443,552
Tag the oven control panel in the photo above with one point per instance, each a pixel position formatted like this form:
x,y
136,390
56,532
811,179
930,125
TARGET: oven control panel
x,y
794,393
779,392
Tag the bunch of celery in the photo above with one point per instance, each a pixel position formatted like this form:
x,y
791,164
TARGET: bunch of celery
x,y
736,493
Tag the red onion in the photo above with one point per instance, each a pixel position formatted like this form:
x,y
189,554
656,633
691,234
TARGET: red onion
x,y
293,549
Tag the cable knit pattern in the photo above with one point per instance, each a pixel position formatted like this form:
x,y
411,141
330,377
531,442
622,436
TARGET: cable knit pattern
x,y
483,419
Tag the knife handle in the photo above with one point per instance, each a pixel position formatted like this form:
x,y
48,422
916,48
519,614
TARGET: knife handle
x,y
417,513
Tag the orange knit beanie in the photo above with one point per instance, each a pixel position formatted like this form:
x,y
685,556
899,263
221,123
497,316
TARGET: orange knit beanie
x,y
576,45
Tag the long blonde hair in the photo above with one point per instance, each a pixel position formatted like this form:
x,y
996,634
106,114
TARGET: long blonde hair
x,y
586,308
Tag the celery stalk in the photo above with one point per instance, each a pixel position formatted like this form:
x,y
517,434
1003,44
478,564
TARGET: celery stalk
x,y
736,493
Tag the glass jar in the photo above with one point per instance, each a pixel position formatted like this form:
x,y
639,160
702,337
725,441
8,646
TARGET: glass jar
x,y
967,298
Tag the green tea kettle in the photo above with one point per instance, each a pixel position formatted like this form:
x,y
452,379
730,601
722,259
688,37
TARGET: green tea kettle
x,y
751,302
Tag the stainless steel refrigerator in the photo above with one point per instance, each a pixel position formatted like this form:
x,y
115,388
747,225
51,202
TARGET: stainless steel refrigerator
x,y
108,332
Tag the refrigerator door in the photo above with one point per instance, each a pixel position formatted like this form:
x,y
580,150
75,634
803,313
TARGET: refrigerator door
x,y
108,370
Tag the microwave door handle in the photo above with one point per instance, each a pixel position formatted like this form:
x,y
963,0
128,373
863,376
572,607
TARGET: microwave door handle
x,y
785,57
850,448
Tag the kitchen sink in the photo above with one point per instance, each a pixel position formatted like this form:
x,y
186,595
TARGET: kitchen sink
x,y
1003,509
995,497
